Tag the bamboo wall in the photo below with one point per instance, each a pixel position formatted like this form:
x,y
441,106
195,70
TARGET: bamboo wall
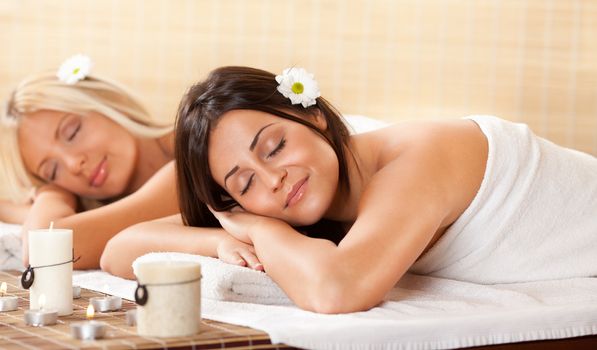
x,y
524,60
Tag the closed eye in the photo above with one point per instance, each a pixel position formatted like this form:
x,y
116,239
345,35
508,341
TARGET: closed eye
x,y
249,183
74,133
54,171
275,151
278,148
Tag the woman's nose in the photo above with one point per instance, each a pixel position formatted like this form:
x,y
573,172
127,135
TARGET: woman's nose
x,y
75,162
274,177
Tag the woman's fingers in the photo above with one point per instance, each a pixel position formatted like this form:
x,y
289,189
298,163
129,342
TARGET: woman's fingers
x,y
234,258
251,260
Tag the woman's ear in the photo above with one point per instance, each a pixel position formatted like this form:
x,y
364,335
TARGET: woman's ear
x,y
319,119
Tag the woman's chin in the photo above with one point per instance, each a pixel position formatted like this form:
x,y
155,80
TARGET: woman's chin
x,y
103,195
304,220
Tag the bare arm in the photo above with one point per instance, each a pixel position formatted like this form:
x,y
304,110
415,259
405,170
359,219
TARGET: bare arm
x,y
379,248
417,194
169,235
93,228
13,213
166,235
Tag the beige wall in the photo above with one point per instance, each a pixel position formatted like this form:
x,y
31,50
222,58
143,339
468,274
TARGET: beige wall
x,y
532,61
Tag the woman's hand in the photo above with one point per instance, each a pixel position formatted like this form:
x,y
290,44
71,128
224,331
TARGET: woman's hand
x,y
56,193
239,223
233,251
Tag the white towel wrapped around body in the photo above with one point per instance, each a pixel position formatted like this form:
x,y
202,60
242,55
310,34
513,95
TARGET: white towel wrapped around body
x,y
221,281
533,218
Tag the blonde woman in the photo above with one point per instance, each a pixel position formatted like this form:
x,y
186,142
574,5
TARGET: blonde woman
x,y
81,151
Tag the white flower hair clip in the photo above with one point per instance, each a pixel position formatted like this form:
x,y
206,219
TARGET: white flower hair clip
x,y
75,68
299,86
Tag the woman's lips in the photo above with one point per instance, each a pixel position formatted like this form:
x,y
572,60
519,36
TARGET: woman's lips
x,y
297,192
99,175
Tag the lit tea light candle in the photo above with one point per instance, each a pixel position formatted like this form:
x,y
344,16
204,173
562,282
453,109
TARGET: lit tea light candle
x,y
90,329
107,303
131,317
41,317
7,302
76,292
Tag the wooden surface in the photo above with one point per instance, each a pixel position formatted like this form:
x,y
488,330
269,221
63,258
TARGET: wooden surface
x,y
15,334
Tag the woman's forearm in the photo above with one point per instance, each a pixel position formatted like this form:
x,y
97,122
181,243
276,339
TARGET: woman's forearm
x,y
13,213
156,236
309,270
92,229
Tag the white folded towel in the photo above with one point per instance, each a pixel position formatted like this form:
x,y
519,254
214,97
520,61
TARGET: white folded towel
x,y
10,247
419,313
222,281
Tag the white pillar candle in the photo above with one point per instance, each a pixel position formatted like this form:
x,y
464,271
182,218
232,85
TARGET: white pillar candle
x,y
49,247
173,306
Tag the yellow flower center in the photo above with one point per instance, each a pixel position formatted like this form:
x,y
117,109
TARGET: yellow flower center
x,y
76,70
297,88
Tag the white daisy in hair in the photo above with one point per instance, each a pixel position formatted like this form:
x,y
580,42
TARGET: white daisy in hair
x,y
299,86
75,68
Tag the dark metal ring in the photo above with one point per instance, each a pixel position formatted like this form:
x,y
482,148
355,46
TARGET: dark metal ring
x,y
141,299
27,277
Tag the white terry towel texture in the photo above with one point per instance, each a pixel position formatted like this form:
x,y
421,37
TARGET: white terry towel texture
x,y
420,312
533,218
221,281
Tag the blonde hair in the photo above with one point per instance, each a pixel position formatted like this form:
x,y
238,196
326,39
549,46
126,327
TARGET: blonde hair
x,y
45,92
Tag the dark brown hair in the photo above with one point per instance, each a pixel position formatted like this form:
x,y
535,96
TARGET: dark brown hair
x,y
226,89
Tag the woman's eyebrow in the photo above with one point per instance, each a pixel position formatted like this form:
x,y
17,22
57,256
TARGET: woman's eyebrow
x,y
56,136
256,138
251,147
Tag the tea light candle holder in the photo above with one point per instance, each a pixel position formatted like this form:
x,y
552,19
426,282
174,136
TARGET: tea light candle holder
x,y
76,292
107,303
41,317
131,318
90,329
7,302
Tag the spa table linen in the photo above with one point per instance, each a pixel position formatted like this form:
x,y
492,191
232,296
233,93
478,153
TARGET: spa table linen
x,y
419,313
10,247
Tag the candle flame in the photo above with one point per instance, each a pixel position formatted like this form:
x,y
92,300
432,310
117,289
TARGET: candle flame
x,y
51,225
41,301
3,289
90,312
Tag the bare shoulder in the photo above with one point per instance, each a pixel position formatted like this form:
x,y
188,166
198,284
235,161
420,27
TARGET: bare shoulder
x,y
452,136
447,157
419,178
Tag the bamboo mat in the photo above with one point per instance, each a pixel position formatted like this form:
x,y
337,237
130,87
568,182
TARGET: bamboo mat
x,y
15,334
